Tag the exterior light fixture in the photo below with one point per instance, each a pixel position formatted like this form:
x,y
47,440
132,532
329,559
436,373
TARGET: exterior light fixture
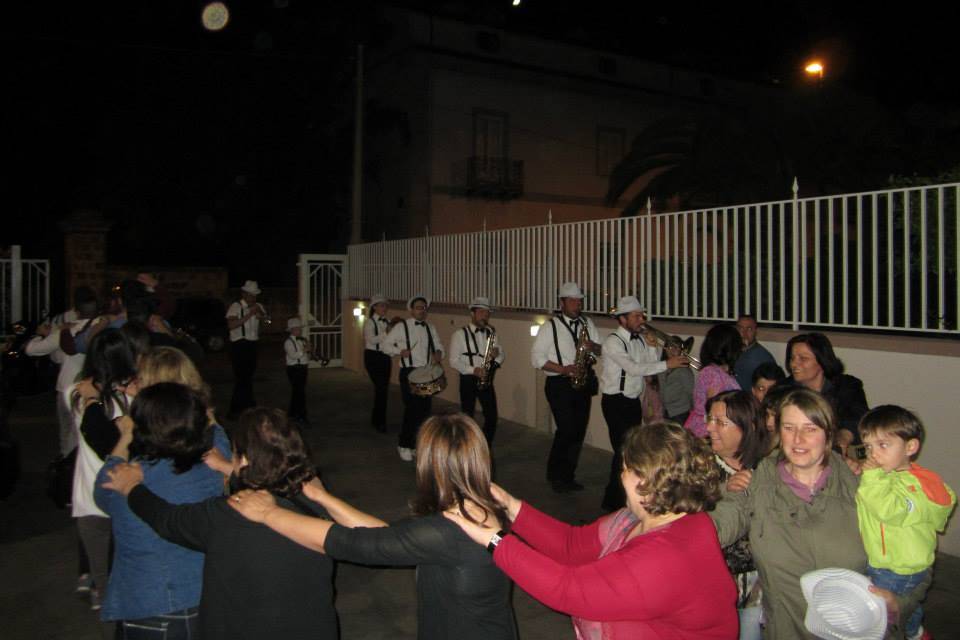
x,y
815,68
358,312
534,330
215,16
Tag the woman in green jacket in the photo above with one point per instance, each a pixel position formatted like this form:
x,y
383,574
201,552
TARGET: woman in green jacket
x,y
800,515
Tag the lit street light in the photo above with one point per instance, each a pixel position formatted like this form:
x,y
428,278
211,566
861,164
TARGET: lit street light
x,y
815,68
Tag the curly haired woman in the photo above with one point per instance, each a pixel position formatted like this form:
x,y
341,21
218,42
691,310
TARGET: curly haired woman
x,y
651,570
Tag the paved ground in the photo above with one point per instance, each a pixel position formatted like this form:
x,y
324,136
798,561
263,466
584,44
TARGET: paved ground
x,y
38,542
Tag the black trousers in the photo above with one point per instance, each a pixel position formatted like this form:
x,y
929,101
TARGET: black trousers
x,y
297,375
416,409
377,365
620,413
488,402
243,357
571,412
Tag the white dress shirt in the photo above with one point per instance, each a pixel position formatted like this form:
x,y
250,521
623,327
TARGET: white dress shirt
x,y
544,349
296,350
249,330
626,361
70,365
467,347
418,342
375,331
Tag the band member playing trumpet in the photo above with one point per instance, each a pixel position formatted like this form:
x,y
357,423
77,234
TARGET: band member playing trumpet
x,y
556,352
375,359
476,354
297,352
244,318
627,360
418,344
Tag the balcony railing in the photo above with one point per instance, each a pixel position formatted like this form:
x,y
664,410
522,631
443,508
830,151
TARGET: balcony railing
x,y
486,177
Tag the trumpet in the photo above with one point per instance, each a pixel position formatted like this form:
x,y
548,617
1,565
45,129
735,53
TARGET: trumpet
x,y
661,339
264,316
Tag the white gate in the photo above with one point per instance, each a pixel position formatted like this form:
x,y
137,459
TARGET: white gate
x,y
321,294
24,289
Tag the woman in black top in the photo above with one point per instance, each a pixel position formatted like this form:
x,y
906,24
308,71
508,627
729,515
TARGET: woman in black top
x,y
460,593
256,584
814,365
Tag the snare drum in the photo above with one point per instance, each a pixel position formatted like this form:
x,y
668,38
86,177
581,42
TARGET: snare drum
x,y
427,381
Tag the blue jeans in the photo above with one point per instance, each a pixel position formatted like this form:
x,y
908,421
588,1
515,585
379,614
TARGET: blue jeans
x,y
900,585
176,625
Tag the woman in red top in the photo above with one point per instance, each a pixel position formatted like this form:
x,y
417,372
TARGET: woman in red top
x,y
651,570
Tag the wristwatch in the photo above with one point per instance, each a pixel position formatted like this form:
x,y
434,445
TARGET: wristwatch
x,y
495,540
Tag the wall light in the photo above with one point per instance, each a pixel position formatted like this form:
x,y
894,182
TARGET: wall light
x,y
358,312
534,330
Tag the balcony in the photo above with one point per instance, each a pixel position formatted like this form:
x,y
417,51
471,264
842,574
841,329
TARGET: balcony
x,y
486,177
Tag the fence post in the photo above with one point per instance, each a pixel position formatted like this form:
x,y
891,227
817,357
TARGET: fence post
x,y
426,277
16,284
796,256
551,263
648,263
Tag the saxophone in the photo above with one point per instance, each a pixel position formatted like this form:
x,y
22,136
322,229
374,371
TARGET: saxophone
x,y
584,360
486,377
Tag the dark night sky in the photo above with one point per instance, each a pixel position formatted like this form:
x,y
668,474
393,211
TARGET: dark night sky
x,y
233,148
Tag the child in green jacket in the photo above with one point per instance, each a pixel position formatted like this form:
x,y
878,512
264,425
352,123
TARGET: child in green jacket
x,y
900,505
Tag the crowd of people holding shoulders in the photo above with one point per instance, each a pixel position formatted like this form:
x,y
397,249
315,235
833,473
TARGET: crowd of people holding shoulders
x,y
726,487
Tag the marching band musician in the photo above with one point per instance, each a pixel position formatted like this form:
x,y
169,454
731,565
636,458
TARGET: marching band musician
x,y
554,351
375,359
243,321
297,352
627,359
418,344
467,349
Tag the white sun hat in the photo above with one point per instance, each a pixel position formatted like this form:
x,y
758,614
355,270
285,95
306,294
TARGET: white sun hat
x,y
839,606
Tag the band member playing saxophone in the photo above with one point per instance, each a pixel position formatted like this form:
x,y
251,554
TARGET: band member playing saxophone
x,y
563,349
627,359
418,344
476,354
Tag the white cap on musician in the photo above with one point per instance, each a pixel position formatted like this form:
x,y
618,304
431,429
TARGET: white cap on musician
x,y
294,323
480,303
626,304
250,286
418,297
570,290
840,606
377,298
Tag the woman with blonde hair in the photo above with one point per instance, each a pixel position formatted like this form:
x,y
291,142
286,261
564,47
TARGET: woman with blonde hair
x,y
651,570
460,593
169,364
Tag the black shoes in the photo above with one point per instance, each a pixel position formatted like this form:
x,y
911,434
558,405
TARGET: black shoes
x,y
566,486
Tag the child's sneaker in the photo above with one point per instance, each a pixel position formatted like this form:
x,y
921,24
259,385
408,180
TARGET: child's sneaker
x,y
922,634
94,600
84,583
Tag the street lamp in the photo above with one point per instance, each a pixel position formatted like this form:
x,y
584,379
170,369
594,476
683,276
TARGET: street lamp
x,y
815,68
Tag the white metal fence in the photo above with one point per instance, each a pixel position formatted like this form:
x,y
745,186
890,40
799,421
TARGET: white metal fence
x,y
24,289
885,260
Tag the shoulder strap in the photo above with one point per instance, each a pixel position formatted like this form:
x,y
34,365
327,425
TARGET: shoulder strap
x,y
556,342
466,343
623,372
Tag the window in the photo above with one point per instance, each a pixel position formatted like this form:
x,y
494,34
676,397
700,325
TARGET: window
x,y
610,149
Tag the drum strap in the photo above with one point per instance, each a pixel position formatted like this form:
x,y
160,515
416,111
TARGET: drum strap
x,y
406,330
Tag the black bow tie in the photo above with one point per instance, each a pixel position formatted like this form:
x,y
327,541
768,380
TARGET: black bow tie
x,y
482,330
420,323
636,336
383,320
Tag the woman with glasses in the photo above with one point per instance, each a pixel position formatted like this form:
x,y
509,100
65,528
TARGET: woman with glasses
x,y
738,438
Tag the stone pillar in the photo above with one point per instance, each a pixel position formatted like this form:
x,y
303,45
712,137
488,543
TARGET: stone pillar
x,y
85,252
